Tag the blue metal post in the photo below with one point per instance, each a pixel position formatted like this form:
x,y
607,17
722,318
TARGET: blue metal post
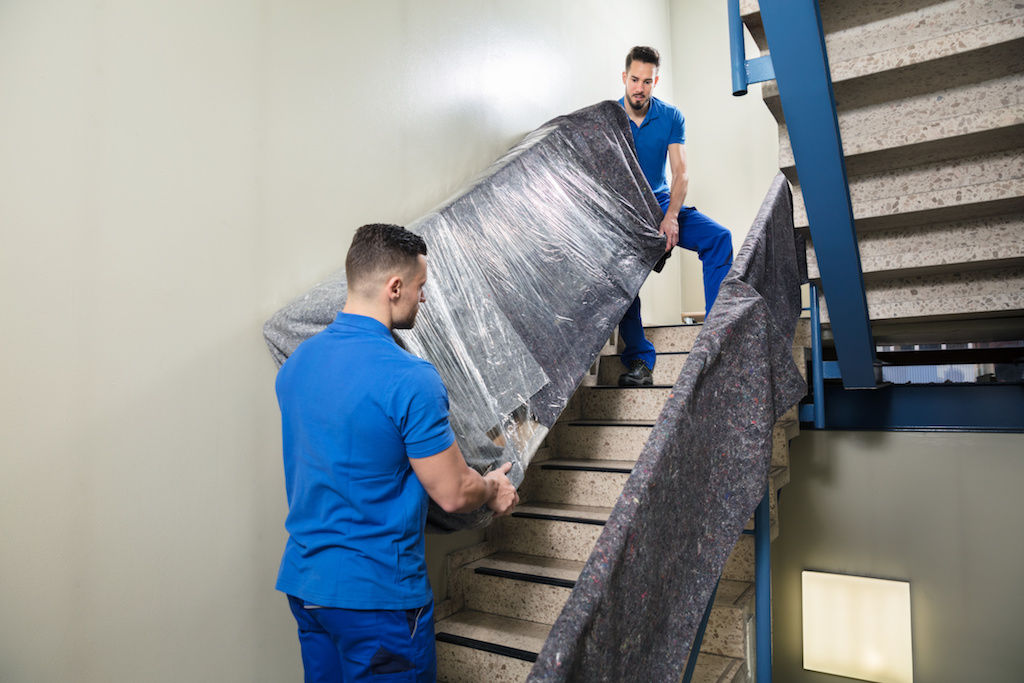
x,y
817,365
736,50
744,71
797,44
763,589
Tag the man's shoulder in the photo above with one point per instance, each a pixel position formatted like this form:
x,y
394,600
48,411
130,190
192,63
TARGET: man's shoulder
x,y
410,367
664,106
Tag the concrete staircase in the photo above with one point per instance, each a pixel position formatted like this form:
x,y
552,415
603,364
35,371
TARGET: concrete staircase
x,y
930,99
504,594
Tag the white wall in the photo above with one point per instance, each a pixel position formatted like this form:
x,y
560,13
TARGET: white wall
x,y
172,172
731,142
940,510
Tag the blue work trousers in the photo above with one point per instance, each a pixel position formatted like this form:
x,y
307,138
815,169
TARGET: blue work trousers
x,y
349,645
713,244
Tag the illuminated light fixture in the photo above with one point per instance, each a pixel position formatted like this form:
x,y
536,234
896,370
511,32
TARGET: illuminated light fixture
x,y
857,627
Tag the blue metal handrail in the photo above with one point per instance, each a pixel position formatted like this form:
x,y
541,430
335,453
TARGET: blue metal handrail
x,y
744,71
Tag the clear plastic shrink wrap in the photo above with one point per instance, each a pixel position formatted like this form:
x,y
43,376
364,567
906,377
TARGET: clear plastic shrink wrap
x,y
530,269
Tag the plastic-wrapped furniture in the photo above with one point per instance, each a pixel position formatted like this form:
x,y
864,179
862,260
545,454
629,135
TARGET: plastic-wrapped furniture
x,y
530,269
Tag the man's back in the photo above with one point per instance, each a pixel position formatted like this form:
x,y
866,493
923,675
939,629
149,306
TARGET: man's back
x,y
354,408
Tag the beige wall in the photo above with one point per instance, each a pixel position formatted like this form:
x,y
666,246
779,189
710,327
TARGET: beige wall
x,y
941,511
172,172
731,142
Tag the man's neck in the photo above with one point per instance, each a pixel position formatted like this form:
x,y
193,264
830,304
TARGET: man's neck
x,y
370,309
637,117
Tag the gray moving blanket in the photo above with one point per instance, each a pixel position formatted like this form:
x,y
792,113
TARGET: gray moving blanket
x,y
530,269
637,604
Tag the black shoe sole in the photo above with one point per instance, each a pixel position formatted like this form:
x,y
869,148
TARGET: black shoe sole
x,y
642,383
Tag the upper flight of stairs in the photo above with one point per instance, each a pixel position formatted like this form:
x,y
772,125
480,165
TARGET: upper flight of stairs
x,y
930,102
504,594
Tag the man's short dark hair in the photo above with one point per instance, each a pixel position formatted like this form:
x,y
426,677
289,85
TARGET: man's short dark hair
x,y
379,250
642,53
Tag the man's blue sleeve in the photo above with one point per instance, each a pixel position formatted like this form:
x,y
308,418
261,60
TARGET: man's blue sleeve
x,y
421,405
678,132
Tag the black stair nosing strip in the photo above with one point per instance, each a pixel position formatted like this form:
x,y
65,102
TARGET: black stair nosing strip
x,y
587,468
493,648
648,386
558,518
609,423
525,576
658,327
660,353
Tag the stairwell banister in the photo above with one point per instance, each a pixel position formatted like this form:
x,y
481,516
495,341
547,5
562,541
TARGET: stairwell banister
x,y
744,71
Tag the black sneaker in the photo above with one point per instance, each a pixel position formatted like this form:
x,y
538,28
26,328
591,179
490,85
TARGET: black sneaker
x,y
639,375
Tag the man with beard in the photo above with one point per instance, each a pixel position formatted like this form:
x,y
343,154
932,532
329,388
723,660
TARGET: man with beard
x,y
366,439
659,134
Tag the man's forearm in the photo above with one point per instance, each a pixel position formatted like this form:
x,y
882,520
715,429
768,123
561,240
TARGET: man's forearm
x,y
477,490
677,194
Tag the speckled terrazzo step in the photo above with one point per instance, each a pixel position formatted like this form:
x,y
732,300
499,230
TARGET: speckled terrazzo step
x,y
672,338
963,295
600,439
624,403
465,663
739,566
520,586
730,620
566,532
988,242
569,532
471,643
536,589
926,127
576,482
600,482
865,38
666,368
986,184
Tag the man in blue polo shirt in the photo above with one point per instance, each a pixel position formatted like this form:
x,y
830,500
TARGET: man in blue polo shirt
x,y
659,133
366,439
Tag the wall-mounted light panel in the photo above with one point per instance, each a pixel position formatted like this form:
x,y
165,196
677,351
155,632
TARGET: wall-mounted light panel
x,y
857,627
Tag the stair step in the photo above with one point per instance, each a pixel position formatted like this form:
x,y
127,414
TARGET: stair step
x,y
739,566
729,626
865,39
927,127
932,249
624,403
470,643
666,368
950,190
520,586
567,532
542,586
600,439
963,295
717,669
672,338
576,482
624,441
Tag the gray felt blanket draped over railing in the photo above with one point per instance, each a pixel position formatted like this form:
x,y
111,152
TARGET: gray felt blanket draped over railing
x,y
642,592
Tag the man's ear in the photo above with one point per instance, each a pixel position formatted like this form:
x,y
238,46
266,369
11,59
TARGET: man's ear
x,y
623,78
655,81
394,287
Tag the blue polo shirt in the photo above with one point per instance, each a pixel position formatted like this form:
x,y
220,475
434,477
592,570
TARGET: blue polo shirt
x,y
355,407
664,125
